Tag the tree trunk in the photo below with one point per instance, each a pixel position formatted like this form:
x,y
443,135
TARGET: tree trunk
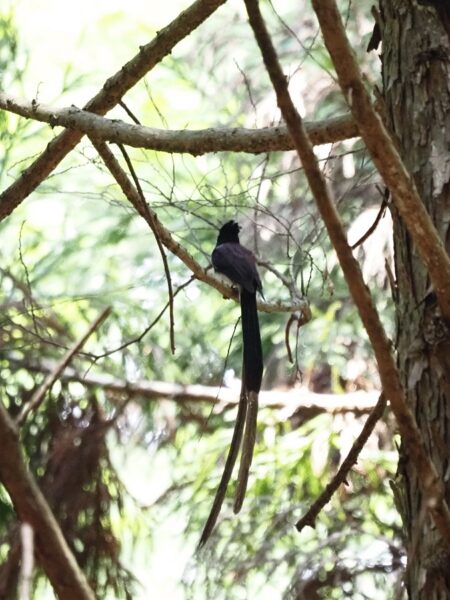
x,y
416,80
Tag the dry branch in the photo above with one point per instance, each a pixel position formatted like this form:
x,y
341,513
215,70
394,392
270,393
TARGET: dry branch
x,y
290,401
31,507
168,241
351,459
196,142
429,480
53,375
384,153
111,93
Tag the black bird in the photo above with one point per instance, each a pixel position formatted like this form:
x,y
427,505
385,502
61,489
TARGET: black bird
x,y
238,264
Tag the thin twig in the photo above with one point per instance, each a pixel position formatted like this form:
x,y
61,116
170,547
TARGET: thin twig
x,y
28,282
287,331
143,333
149,217
299,318
129,112
39,394
372,228
351,459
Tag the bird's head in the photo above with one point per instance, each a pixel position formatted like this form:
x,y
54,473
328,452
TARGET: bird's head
x,y
229,233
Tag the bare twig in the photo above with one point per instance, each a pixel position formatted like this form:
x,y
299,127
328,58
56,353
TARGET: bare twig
x,y
111,92
372,228
290,401
143,333
196,142
351,459
298,318
39,394
384,153
429,480
129,112
151,221
53,553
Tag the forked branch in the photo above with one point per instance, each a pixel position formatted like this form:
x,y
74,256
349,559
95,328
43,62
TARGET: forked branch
x,y
110,94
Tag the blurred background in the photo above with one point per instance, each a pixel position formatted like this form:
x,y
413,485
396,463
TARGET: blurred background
x,y
129,470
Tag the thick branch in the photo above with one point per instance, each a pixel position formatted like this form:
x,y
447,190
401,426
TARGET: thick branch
x,y
290,401
113,90
166,238
384,153
196,142
53,552
428,478
39,394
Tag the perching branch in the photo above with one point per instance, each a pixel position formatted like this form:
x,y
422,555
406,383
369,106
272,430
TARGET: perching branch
x,y
429,480
110,94
53,553
196,142
166,238
384,153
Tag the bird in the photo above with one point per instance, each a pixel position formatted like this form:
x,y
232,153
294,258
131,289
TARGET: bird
x,y
238,264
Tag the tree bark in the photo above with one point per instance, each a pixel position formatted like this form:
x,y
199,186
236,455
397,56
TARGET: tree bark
x,y
416,75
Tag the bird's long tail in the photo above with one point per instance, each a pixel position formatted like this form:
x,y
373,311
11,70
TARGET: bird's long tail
x,y
253,370
253,359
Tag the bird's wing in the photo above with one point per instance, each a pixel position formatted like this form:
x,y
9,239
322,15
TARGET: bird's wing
x,y
238,264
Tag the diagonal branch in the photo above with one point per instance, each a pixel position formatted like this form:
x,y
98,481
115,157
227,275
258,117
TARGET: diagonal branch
x,y
309,518
429,481
31,507
384,153
196,142
167,240
39,394
110,94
